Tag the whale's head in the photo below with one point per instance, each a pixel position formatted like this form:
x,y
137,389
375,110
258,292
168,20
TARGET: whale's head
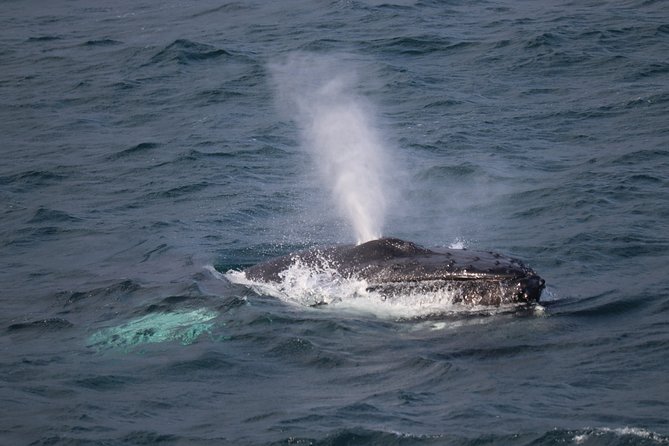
x,y
531,288
394,267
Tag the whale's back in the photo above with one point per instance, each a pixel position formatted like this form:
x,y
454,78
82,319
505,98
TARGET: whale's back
x,y
392,266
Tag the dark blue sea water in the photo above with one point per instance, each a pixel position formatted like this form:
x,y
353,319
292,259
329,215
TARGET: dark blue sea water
x,y
143,150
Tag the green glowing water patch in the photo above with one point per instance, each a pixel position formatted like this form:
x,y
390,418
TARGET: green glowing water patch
x,y
182,326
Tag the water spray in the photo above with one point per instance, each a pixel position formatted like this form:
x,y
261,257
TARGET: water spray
x,y
337,131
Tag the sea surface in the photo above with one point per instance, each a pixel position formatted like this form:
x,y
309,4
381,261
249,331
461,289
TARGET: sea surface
x,y
147,150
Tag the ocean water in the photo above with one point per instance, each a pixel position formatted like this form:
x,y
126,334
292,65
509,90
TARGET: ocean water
x,y
148,148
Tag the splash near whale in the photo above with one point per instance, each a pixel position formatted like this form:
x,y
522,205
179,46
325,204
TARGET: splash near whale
x,y
394,269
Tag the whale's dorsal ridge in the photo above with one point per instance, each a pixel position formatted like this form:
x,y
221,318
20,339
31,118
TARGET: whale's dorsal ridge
x,y
389,248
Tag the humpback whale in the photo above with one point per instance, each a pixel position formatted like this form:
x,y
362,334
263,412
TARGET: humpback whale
x,y
394,267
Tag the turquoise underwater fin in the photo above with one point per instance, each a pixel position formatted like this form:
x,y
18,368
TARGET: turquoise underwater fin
x,y
182,326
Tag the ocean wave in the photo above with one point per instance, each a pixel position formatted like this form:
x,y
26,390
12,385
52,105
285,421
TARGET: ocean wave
x,y
185,51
